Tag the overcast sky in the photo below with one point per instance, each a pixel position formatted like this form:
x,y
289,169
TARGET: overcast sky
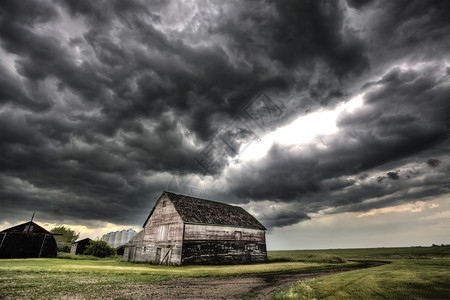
x,y
327,120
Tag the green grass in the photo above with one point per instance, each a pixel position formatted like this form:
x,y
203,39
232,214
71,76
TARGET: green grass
x,y
368,253
413,273
64,255
54,278
299,256
112,266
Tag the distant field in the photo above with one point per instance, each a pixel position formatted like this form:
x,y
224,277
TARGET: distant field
x,y
412,273
368,253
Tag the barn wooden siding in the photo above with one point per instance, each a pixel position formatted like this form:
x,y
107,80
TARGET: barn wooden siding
x,y
163,234
213,244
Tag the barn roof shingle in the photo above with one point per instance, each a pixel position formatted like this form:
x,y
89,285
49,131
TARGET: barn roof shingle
x,y
197,210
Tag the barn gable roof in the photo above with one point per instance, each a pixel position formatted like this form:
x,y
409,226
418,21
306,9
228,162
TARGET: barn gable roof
x,y
29,227
202,211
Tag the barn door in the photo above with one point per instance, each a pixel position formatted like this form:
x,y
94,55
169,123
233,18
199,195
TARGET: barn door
x,y
158,255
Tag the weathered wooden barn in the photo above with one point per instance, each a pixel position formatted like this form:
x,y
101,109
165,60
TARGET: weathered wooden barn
x,y
27,240
78,247
187,230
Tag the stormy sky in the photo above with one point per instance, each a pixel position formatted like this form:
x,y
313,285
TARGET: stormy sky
x,y
327,120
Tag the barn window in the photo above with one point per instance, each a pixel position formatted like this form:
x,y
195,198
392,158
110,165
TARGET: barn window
x,y
145,249
237,235
163,231
164,204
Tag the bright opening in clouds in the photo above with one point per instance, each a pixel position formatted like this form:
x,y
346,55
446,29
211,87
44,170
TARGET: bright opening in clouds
x,y
328,120
303,130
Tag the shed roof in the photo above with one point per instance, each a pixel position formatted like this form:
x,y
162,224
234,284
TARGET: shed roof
x,y
83,240
197,210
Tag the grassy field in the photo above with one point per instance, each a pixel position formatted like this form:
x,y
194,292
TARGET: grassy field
x,y
54,278
368,253
412,273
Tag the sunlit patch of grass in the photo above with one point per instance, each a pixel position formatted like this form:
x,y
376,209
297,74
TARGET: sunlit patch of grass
x,y
64,255
113,266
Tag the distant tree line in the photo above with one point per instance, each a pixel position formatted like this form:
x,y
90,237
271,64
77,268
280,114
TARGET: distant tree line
x,y
67,236
441,245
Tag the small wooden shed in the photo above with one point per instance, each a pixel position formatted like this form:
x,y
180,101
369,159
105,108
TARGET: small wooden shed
x,y
133,249
27,240
78,247
182,229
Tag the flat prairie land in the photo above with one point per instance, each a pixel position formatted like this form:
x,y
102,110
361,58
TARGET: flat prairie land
x,y
399,273
412,273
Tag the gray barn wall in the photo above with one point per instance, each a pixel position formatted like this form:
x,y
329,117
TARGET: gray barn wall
x,y
164,231
212,244
222,233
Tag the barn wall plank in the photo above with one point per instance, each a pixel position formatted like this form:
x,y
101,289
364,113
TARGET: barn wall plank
x,y
223,252
195,232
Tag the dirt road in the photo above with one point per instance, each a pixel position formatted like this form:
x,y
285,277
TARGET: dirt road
x,y
257,287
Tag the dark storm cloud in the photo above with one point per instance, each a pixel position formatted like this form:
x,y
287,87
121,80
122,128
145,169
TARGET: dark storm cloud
x,y
433,162
358,4
280,218
405,29
298,32
404,116
305,40
393,175
102,101
13,91
33,12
